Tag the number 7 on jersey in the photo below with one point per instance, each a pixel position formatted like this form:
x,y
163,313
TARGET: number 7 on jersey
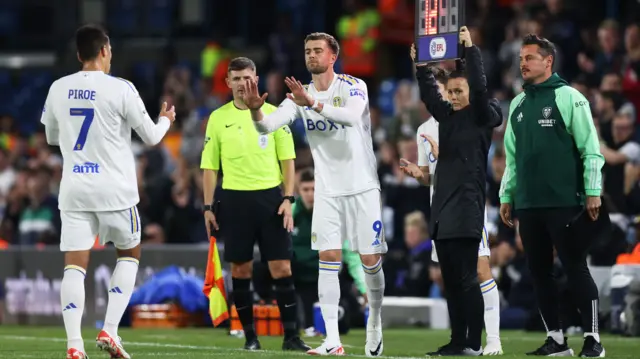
x,y
84,129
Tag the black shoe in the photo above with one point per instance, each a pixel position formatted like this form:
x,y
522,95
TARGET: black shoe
x,y
448,349
591,348
252,344
552,348
295,344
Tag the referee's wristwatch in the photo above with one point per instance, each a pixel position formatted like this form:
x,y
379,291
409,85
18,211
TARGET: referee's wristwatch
x,y
291,199
207,207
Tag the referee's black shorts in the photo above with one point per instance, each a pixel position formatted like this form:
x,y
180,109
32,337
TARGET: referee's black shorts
x,y
247,217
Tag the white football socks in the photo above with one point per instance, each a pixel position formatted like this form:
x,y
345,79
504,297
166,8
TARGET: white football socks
x,y
123,281
491,309
72,300
329,295
374,278
557,335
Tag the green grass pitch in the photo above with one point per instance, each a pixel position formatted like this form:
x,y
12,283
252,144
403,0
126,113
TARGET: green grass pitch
x,y
49,342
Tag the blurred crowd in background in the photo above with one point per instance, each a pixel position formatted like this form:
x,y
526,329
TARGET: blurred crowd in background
x,y
599,54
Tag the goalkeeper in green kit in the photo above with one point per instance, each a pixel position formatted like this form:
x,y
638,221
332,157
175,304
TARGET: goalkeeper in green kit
x,y
552,180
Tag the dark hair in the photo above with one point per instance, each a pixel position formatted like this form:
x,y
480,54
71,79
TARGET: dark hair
x,y
545,47
90,39
439,74
331,41
306,175
241,63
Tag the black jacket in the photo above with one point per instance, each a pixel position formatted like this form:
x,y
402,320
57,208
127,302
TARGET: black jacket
x,y
459,196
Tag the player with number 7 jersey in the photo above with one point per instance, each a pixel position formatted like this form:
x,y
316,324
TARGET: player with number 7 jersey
x,y
90,115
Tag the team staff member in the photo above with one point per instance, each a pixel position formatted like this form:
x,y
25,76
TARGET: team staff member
x,y
553,169
457,213
252,207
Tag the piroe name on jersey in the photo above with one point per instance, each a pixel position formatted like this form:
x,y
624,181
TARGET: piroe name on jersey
x,y
80,94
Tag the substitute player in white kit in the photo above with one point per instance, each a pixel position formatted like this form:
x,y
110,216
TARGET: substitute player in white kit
x,y
335,111
90,115
427,138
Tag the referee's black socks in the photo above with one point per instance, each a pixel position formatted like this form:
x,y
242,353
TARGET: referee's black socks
x,y
243,299
287,303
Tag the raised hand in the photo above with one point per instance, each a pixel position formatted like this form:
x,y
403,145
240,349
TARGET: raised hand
x,y
434,146
170,114
411,169
465,37
252,97
298,93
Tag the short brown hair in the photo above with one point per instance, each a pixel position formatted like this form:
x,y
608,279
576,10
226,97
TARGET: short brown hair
x,y
331,41
241,63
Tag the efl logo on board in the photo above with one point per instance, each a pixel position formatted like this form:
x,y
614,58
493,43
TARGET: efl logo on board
x,y
438,47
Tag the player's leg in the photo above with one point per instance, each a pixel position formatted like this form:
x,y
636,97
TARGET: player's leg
x,y
365,214
277,249
572,251
326,237
538,249
123,229
491,298
79,230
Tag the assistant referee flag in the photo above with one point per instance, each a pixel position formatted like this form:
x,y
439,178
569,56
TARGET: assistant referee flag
x,y
250,160
214,286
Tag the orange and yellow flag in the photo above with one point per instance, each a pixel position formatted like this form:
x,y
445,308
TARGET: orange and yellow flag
x,y
214,286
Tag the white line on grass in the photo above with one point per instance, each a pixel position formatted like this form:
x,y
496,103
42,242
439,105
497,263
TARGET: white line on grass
x,y
177,346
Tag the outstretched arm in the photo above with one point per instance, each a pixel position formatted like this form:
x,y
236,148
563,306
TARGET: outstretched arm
x,y
349,115
286,113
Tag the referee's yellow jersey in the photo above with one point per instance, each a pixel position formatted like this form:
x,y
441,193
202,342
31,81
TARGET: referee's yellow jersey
x,y
250,161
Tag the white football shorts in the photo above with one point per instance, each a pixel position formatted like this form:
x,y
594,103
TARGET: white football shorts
x,y
356,218
79,229
483,248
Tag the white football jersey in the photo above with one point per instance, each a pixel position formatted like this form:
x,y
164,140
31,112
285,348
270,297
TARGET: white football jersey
x,y
339,136
90,115
425,156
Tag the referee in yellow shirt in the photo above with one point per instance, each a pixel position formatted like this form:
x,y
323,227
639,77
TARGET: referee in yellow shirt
x,y
252,207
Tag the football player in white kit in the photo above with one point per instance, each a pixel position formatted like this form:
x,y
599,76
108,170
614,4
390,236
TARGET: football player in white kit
x,y
335,111
427,138
90,115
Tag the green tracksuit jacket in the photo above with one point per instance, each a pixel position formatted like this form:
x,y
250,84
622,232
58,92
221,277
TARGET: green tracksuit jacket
x,y
305,262
552,149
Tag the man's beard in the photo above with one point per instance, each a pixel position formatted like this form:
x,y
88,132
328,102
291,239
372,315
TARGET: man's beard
x,y
317,69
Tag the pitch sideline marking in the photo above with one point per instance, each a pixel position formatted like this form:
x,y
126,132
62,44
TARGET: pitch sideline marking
x,y
179,346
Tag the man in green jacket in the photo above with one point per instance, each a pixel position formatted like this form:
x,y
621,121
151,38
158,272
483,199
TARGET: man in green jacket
x,y
553,176
305,260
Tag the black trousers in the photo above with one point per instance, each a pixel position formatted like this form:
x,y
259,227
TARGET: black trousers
x,y
459,266
542,229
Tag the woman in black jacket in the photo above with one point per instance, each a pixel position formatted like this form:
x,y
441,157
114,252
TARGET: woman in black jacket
x,y
466,123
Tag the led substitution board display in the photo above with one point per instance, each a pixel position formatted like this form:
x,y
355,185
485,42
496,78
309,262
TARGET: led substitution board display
x,y
437,26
